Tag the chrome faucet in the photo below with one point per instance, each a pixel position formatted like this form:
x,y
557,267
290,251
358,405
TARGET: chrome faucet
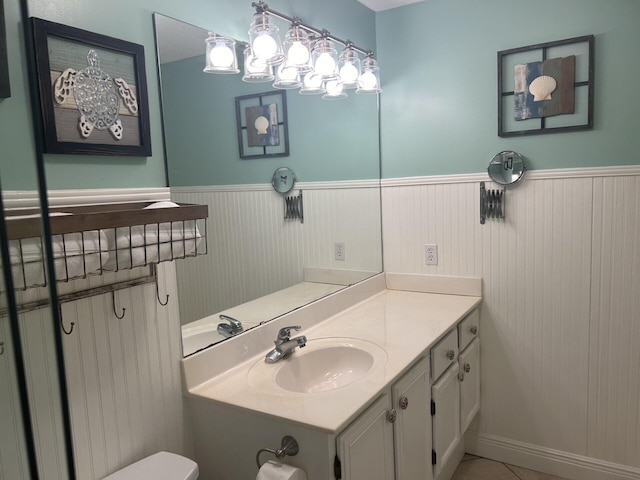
x,y
230,329
285,344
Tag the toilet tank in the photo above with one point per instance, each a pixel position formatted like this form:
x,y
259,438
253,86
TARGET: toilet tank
x,y
160,466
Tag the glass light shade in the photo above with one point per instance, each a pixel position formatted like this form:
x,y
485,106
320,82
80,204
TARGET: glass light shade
x,y
349,68
297,49
325,59
312,85
287,77
369,79
264,40
220,55
256,72
335,90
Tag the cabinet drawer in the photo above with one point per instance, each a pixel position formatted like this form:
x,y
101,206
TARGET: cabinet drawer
x,y
469,328
444,354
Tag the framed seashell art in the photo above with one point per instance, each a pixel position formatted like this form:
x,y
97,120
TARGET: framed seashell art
x,y
546,88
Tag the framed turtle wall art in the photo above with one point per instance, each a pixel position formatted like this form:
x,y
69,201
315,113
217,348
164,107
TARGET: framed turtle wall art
x,y
93,92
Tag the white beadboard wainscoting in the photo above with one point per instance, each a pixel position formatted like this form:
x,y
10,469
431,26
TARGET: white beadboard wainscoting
x,y
253,251
560,318
125,387
124,380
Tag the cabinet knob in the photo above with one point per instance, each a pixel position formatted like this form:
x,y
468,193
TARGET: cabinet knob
x,y
392,415
461,376
473,329
451,354
404,403
467,367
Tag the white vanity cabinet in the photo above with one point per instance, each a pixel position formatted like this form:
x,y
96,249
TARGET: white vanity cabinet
x,y
393,435
455,392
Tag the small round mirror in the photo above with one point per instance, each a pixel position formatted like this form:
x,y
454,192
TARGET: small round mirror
x,y
283,180
507,168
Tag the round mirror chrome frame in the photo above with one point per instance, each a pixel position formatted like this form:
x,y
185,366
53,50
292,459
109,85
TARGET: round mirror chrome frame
x,y
507,164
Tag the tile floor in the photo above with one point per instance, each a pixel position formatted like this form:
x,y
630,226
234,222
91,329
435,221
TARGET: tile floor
x,y
478,468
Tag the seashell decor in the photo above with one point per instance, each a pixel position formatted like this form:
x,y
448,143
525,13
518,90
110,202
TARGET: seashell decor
x,y
542,87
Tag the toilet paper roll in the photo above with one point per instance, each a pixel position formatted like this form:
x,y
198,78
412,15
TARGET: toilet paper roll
x,y
273,470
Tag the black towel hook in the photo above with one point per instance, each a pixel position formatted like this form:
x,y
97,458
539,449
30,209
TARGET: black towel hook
x,y
166,301
113,297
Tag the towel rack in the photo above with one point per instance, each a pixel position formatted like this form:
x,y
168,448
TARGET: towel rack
x,y
288,446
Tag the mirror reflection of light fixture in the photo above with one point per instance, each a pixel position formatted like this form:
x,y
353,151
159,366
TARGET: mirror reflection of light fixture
x,y
287,77
312,84
264,39
369,79
220,54
335,90
254,71
349,67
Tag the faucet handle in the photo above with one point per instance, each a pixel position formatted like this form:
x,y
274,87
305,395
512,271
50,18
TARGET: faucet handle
x,y
286,331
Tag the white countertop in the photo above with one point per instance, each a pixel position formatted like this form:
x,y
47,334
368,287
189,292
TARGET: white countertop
x,y
404,323
202,333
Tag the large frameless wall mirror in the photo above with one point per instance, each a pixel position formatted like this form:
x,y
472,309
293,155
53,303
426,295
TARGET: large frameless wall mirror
x,y
34,433
259,265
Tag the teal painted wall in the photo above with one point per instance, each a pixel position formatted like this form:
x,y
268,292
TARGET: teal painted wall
x,y
131,20
439,76
328,140
17,151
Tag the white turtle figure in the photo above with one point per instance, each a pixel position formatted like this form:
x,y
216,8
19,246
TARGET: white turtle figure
x,y
97,97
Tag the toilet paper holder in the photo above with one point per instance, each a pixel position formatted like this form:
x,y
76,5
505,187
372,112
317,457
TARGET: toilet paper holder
x,y
288,446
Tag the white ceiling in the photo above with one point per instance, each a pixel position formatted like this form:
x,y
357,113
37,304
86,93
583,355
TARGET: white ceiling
x,y
379,5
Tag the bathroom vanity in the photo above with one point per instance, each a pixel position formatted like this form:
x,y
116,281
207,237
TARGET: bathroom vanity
x,y
385,387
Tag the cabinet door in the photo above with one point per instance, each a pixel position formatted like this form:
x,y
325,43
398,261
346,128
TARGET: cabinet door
x,y
365,447
412,429
445,394
469,383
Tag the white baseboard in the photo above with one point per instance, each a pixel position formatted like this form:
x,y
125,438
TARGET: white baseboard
x,y
546,460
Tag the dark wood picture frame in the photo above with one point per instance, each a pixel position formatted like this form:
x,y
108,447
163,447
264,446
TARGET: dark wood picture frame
x,y
505,91
5,87
56,43
260,99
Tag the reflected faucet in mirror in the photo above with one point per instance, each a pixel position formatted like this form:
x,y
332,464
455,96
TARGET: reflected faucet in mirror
x,y
233,327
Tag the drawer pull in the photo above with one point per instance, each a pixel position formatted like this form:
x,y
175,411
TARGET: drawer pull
x,y
451,354
404,403
467,367
474,329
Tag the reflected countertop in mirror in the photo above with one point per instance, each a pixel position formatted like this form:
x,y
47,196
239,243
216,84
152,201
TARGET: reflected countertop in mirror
x,y
259,265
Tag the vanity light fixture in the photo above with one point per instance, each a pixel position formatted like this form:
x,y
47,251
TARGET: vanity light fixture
x,y
297,48
349,66
264,38
303,44
369,79
220,54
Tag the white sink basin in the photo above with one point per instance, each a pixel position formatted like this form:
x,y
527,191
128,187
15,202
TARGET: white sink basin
x,y
324,364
